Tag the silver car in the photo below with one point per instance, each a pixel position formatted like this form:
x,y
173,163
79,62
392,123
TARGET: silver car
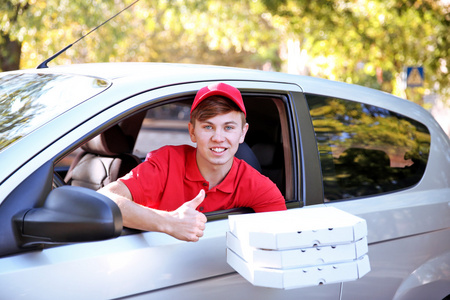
x,y
67,131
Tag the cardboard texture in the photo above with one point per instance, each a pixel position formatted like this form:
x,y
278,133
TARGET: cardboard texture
x,y
298,228
298,248
309,256
299,277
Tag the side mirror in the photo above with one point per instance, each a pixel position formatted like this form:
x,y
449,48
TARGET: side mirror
x,y
69,215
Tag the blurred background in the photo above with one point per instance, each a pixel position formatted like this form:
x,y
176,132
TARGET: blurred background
x,y
398,46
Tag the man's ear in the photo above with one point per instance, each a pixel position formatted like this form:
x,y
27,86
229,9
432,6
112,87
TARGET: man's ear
x,y
191,132
244,132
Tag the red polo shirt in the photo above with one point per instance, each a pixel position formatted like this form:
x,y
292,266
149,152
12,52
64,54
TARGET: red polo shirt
x,y
169,177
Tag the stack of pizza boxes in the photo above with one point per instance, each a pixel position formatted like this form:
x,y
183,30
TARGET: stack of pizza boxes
x,y
298,248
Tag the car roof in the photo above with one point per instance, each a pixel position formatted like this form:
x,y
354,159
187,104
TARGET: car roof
x,y
162,74
114,71
155,75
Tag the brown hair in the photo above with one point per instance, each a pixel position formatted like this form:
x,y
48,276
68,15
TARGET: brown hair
x,y
213,106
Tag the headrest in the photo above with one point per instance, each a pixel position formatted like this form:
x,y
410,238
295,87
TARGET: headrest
x,y
265,153
245,153
109,143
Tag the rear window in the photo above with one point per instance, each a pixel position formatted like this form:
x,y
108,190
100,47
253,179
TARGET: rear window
x,y
29,100
366,150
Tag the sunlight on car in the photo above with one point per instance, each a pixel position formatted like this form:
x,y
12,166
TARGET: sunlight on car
x,y
30,100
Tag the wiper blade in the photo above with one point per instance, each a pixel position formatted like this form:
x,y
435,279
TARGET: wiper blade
x,y
43,65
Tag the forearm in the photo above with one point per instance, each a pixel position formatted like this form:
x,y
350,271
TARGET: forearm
x,y
184,223
173,223
134,215
142,218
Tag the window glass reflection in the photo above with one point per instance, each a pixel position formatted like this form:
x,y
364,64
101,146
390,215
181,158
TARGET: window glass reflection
x,y
29,100
366,150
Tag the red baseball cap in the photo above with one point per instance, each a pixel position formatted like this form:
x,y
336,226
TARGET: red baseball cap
x,y
219,89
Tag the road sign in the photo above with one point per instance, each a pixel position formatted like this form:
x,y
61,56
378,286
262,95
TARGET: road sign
x,y
414,76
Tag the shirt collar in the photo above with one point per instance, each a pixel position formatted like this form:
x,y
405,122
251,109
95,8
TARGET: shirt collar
x,y
228,183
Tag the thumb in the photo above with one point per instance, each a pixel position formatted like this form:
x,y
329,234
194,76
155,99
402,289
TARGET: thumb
x,y
197,200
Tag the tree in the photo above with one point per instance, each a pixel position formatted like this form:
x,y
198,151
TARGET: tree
x,y
10,43
211,32
32,30
362,42
371,42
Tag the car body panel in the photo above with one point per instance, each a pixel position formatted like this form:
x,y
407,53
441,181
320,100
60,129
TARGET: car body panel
x,y
407,229
115,268
430,275
128,265
386,215
393,262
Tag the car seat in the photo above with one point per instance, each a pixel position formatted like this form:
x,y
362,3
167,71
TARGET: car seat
x,y
106,157
245,153
271,158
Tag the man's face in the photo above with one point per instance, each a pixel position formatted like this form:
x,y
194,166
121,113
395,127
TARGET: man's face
x,y
218,139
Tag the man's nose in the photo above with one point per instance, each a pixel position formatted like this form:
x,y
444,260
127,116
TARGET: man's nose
x,y
218,135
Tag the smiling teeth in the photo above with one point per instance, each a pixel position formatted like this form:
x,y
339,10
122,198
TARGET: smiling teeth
x,y
218,149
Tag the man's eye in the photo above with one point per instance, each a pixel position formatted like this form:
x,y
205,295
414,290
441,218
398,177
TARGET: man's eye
x,y
207,127
229,127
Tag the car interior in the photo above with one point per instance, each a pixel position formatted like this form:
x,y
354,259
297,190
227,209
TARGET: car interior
x,y
117,150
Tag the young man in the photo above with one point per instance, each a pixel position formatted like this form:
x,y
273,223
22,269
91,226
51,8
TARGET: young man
x,y
175,185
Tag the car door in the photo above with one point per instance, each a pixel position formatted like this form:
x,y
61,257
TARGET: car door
x,y
148,264
400,189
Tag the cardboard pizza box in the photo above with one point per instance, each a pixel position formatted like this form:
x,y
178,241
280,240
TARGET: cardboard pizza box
x,y
298,228
299,247
299,277
292,258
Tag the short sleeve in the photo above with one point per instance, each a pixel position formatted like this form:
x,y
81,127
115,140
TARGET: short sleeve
x,y
268,197
146,182
257,191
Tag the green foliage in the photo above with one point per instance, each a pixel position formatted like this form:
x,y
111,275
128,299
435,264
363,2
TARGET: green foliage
x,y
371,42
210,32
362,42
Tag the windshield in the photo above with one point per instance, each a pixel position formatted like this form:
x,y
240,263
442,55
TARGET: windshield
x,y
29,100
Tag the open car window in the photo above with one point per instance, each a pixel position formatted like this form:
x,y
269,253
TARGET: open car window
x,y
164,125
167,124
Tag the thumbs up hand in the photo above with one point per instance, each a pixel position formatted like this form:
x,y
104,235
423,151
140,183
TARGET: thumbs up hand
x,y
187,223
194,203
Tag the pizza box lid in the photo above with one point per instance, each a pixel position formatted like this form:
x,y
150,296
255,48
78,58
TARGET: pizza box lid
x,y
298,228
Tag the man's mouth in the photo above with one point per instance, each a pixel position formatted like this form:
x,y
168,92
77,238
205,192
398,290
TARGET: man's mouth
x,y
218,150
